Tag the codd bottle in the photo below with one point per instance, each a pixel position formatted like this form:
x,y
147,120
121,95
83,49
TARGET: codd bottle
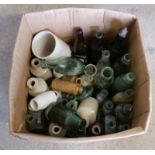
x,y
110,124
108,107
65,117
104,78
65,65
122,65
118,45
80,50
124,112
123,82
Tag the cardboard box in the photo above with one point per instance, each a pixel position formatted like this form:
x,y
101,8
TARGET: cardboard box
x,y
61,22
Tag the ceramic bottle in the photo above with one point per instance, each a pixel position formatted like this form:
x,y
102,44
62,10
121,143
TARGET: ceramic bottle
x,y
46,45
74,79
65,117
124,81
80,50
36,86
65,65
124,112
108,107
38,71
122,65
36,122
66,86
56,130
88,110
124,96
104,78
43,100
110,124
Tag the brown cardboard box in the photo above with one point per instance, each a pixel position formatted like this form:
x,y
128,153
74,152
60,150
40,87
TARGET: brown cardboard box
x,y
61,22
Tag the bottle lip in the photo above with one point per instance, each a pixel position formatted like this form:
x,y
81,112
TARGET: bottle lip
x,y
99,35
107,73
126,59
127,108
130,76
32,83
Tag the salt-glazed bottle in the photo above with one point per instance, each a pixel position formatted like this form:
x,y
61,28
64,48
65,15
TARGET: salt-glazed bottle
x,y
36,86
38,71
123,127
124,96
56,130
124,112
65,65
108,107
104,78
42,101
110,124
88,110
95,45
80,50
102,95
122,65
118,45
65,117
124,81
66,86
36,122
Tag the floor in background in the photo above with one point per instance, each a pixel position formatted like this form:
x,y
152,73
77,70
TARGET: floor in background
x,y
10,16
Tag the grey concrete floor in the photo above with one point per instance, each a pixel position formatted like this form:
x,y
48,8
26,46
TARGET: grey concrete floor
x,y
10,16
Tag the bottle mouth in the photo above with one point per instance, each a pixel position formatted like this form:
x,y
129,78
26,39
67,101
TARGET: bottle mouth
x,y
96,130
106,53
130,76
126,59
35,62
99,35
107,73
34,105
109,104
128,108
90,70
112,124
32,83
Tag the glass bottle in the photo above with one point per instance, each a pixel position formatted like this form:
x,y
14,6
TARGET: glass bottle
x,y
108,107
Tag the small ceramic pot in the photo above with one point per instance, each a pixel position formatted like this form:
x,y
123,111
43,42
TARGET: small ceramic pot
x,y
46,45
88,110
38,71
43,100
36,86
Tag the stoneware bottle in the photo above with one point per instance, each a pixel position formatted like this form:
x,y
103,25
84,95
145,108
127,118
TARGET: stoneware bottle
x,y
36,86
56,130
108,107
74,79
46,45
104,78
123,127
124,96
88,110
110,124
43,100
66,86
36,122
80,50
122,65
66,66
38,71
124,112
65,117
102,95
124,81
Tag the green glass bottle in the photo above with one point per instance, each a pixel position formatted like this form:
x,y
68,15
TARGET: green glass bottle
x,y
36,122
65,117
123,127
124,97
123,82
65,65
122,65
108,107
104,78
104,60
110,124
102,95
124,112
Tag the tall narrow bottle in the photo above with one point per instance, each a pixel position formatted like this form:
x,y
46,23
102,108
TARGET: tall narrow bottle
x,y
80,50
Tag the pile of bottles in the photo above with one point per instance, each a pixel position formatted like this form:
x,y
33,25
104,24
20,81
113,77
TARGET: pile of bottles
x,y
88,92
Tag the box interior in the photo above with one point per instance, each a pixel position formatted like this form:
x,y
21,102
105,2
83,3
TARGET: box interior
x,y
61,22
